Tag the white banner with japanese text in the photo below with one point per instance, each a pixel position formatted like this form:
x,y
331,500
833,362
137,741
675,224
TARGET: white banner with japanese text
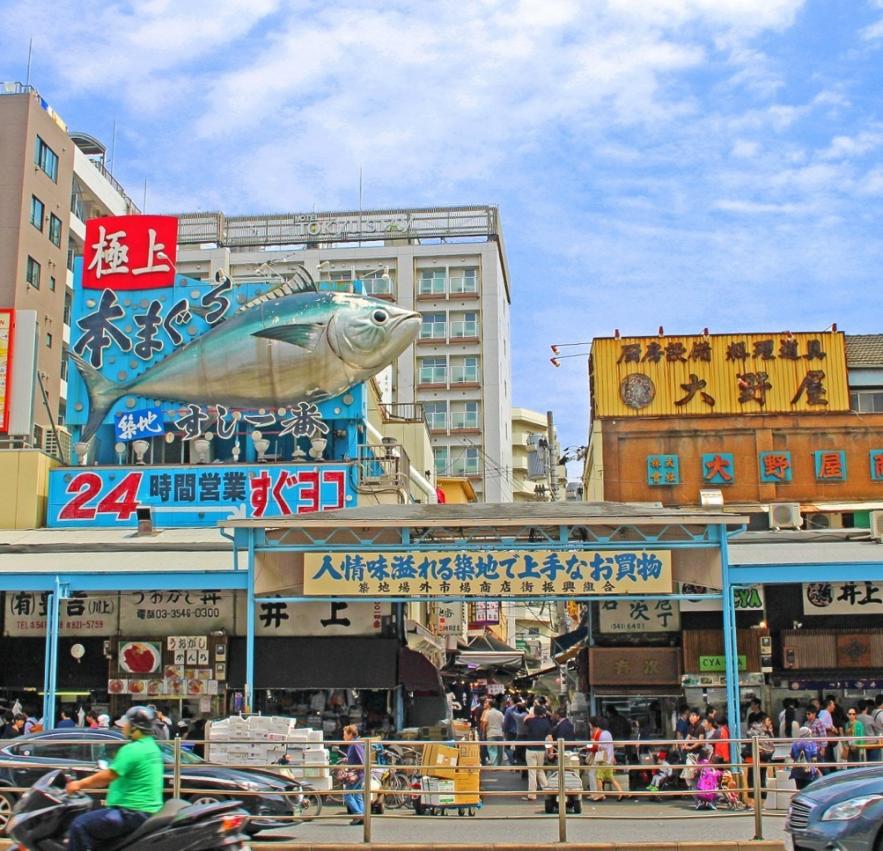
x,y
316,618
499,573
639,616
149,614
843,598
86,615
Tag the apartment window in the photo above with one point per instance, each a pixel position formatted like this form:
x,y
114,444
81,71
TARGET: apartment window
x,y
464,370
67,307
55,230
78,208
71,254
48,340
440,454
38,208
464,324
465,415
46,159
436,415
64,357
866,401
434,327
433,370
465,462
52,283
377,282
33,273
464,280
432,282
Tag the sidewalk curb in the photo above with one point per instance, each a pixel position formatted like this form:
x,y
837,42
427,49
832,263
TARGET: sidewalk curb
x,y
727,845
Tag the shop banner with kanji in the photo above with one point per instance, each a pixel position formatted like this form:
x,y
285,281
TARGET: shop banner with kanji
x,y
719,374
639,616
194,496
843,598
494,574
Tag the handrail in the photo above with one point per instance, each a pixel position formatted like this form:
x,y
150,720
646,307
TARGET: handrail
x,y
399,778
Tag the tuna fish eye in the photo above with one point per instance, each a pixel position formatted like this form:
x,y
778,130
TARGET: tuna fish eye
x,y
380,316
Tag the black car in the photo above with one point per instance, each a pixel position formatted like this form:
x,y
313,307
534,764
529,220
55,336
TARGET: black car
x,y
77,752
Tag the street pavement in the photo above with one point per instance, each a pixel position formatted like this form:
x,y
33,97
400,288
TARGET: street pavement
x,y
511,819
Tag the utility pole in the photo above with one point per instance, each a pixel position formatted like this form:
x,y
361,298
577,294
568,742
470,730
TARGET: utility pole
x,y
553,457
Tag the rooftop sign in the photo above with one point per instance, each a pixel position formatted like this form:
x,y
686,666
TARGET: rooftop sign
x,y
330,227
719,374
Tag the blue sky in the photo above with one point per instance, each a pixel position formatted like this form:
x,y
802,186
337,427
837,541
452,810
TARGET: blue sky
x,y
684,163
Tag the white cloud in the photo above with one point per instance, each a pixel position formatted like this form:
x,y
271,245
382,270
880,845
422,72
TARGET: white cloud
x,y
845,147
752,207
744,149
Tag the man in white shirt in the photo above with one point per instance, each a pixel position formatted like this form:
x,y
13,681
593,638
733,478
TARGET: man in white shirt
x,y
492,721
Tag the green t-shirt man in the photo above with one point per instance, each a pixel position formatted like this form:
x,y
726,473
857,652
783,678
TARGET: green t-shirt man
x,y
139,782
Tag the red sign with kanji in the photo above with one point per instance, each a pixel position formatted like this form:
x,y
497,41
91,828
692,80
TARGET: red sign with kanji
x,y
130,252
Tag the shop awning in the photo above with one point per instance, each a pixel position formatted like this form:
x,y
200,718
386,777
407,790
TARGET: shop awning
x,y
317,662
490,659
417,673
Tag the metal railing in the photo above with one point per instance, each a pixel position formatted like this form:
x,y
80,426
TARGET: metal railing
x,y
571,776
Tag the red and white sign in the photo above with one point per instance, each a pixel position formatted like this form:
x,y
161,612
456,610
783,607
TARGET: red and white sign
x,y
7,329
130,252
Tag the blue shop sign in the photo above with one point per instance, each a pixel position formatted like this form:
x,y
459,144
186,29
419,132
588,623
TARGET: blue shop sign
x,y
195,495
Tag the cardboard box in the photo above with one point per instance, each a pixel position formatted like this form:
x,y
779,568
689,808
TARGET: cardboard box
x,y
436,792
469,753
317,757
467,785
439,761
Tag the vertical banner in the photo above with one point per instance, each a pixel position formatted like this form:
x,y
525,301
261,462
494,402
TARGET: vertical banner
x,y
7,327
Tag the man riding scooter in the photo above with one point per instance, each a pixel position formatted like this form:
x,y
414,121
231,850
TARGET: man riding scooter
x,y
135,781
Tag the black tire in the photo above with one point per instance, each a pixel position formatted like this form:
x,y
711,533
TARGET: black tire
x,y
7,802
577,805
549,805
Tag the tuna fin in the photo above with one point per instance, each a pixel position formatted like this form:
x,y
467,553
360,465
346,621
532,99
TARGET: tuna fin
x,y
305,335
102,394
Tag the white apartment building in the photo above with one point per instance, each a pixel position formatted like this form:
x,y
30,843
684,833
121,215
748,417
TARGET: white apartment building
x,y
51,181
447,263
527,427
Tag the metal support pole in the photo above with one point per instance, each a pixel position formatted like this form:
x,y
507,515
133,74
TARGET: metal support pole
x,y
756,768
176,780
50,668
562,795
366,794
731,656
249,627
593,703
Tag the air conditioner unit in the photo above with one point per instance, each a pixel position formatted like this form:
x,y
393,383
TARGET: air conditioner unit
x,y
877,525
785,515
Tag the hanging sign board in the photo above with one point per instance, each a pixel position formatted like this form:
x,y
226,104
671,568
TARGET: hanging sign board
x,y
495,574
639,616
81,615
843,598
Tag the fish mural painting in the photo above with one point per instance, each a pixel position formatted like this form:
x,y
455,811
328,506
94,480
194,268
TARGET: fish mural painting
x,y
279,349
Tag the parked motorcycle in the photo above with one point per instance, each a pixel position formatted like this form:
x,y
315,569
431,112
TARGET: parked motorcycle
x,y
42,816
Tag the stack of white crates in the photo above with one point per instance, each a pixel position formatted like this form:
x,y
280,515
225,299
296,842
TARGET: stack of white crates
x,y
308,759
257,740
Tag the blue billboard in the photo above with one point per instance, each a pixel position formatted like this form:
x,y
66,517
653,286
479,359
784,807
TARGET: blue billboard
x,y
198,495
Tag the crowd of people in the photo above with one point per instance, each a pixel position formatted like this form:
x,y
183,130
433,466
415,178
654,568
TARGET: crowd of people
x,y
18,720
699,764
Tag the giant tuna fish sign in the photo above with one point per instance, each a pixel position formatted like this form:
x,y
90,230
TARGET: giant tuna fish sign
x,y
160,355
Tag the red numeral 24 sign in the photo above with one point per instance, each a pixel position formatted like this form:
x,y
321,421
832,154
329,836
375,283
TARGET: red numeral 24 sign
x,y
130,252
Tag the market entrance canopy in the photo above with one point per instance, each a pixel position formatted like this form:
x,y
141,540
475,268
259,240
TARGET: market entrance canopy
x,y
488,550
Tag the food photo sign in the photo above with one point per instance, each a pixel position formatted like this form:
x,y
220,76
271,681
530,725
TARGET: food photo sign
x,y
183,666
